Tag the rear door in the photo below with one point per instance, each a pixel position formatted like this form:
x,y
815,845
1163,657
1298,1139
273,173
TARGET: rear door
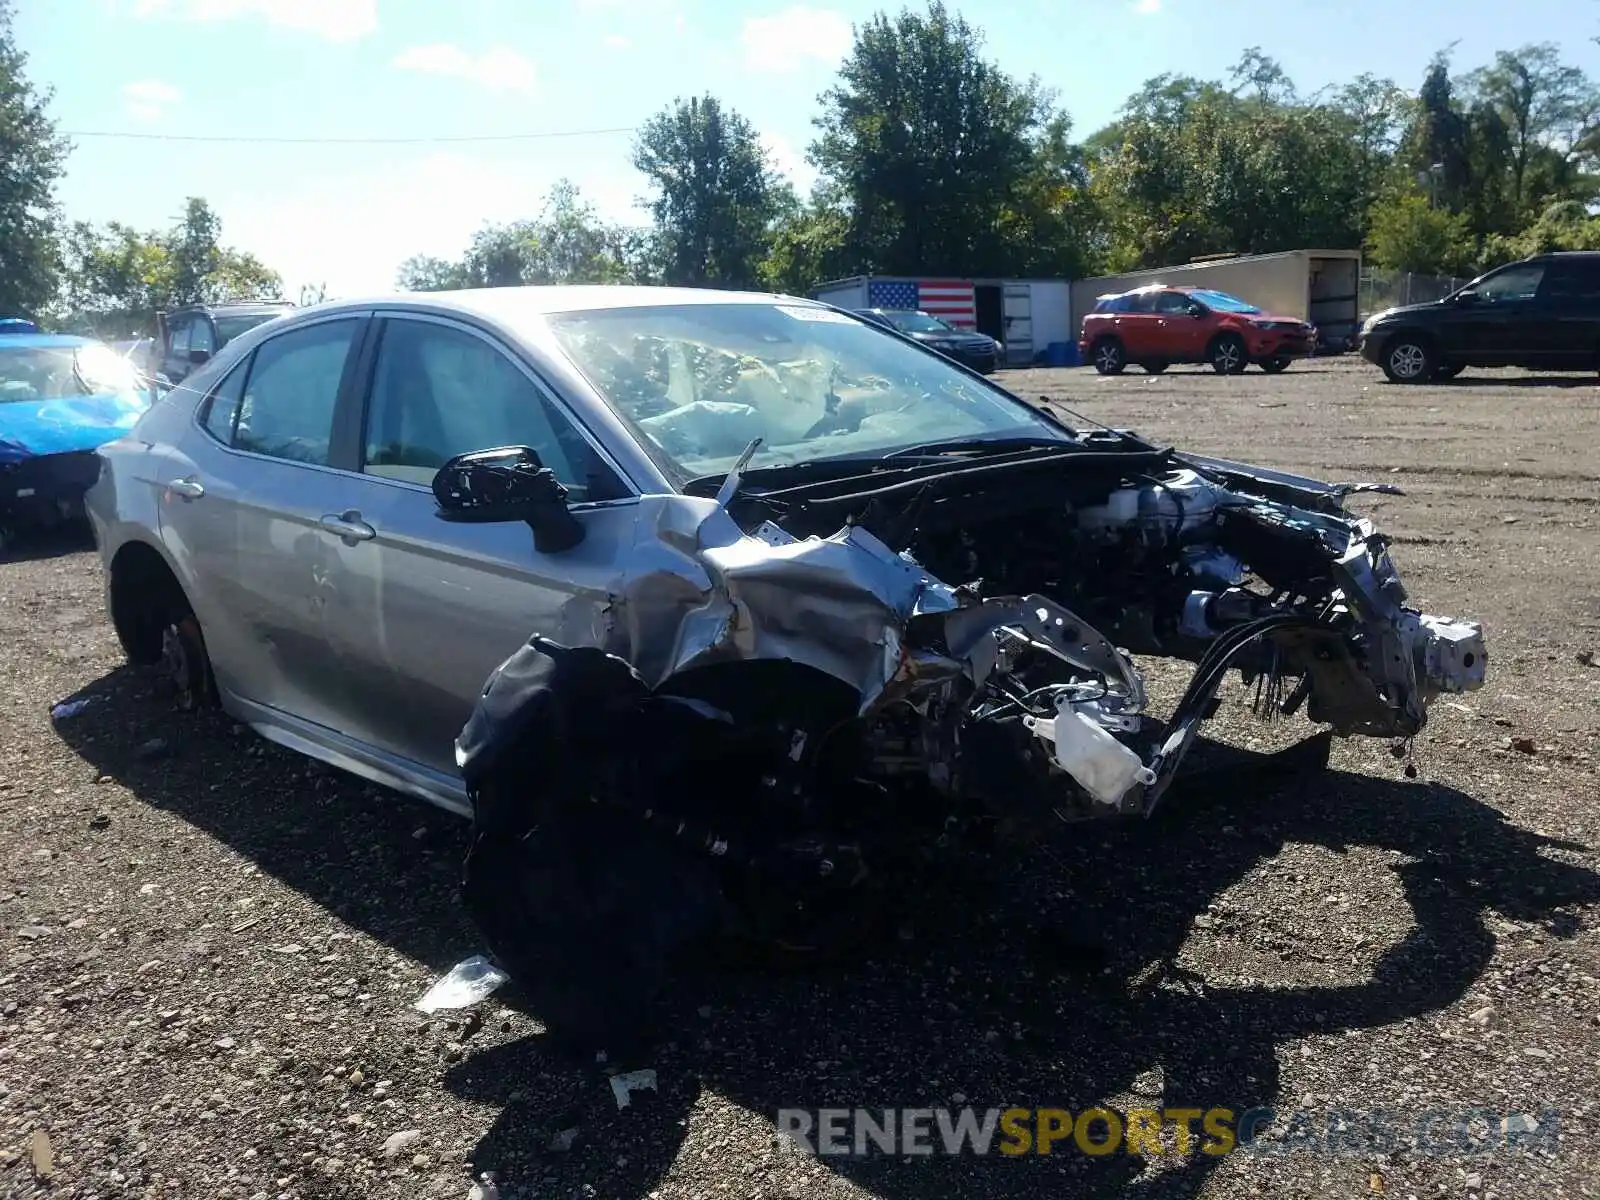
x,y
1133,320
243,512
1570,298
426,609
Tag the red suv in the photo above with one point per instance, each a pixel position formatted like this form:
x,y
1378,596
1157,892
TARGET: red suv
x,y
1157,326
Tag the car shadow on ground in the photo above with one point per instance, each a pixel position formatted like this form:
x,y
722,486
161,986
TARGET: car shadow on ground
x,y
33,545
1041,977
1582,380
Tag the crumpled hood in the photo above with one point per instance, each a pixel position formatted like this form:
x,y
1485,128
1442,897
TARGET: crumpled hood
x,y
31,428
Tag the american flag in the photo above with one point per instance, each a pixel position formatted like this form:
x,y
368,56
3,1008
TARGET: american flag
x,y
951,300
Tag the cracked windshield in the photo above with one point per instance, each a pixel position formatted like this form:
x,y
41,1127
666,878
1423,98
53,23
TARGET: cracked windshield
x,y
702,381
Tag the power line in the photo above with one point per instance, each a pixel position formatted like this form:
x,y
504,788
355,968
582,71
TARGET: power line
x,y
335,141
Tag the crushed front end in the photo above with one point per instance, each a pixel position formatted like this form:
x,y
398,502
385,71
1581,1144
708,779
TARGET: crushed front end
x,y
790,694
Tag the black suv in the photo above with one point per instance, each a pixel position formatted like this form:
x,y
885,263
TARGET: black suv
x,y
976,350
187,337
1542,313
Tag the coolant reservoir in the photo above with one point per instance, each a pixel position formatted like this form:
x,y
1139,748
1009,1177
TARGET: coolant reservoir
x,y
1100,764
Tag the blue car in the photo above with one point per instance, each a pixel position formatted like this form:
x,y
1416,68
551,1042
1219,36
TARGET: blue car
x,y
61,398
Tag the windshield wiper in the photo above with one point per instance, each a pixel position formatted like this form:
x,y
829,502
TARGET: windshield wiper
x,y
974,445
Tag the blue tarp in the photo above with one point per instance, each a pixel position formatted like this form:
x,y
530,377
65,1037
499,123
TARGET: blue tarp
x,y
31,425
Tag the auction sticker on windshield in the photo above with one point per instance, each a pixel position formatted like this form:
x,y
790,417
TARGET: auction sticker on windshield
x,y
816,314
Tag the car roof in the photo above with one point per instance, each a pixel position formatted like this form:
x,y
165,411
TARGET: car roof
x,y
37,340
511,304
239,306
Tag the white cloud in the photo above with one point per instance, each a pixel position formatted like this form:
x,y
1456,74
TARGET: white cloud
x,y
615,41
785,41
351,229
149,99
1147,6
789,161
500,68
336,20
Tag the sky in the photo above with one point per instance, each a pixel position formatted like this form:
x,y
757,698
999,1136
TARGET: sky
x,y
330,132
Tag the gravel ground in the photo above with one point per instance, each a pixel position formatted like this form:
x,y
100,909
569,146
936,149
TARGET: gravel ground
x,y
209,950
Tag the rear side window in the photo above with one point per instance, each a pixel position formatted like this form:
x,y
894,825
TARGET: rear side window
x,y
287,407
222,409
1576,279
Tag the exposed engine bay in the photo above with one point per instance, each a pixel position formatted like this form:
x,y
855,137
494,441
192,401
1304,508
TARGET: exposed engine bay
x,y
792,690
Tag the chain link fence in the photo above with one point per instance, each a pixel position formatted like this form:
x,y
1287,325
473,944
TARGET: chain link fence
x,y
1382,289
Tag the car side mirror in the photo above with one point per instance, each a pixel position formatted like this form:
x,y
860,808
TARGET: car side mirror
x,y
1466,297
508,483
1197,310
199,356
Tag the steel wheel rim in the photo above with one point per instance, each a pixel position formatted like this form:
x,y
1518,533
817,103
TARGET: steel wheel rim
x,y
1407,360
175,658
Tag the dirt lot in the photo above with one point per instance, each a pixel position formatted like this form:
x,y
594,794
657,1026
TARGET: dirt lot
x,y
210,950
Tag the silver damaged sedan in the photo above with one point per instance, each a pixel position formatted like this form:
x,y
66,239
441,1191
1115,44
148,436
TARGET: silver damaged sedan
x,y
764,585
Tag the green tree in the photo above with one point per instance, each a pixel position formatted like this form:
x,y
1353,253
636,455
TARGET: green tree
x,y
566,243
809,247
32,159
717,196
928,145
1410,233
117,278
1541,100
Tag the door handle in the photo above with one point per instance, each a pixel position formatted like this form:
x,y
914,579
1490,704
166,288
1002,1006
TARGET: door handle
x,y
349,526
189,489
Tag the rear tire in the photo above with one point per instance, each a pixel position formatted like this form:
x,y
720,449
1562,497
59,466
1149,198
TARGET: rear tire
x,y
1108,356
1228,355
1155,367
1272,366
186,663
1409,359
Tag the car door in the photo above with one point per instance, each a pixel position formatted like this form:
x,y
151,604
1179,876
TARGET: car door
x,y
1569,295
425,609
1134,322
1500,320
175,355
1180,334
246,493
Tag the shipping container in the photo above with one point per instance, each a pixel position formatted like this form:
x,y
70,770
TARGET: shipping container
x,y
1320,286
1026,316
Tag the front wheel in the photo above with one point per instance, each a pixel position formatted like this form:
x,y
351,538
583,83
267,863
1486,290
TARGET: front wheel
x,y
1273,366
186,663
1409,360
1109,357
1228,355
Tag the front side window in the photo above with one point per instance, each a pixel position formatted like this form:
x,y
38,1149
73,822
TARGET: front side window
x,y
700,382
438,392
1173,302
1513,283
287,408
